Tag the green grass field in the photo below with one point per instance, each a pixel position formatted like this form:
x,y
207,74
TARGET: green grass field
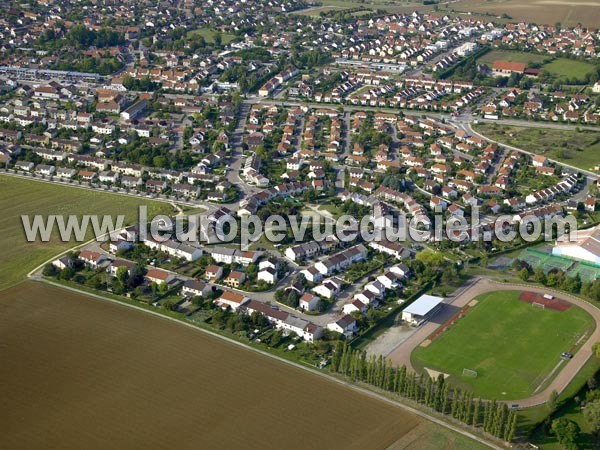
x,y
209,35
512,56
565,68
576,148
389,6
24,197
512,345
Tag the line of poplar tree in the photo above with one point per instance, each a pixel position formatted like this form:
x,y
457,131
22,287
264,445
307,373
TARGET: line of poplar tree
x,y
493,417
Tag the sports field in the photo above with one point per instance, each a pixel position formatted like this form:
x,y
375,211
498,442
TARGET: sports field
x,y
568,69
512,345
586,272
536,258
24,197
509,55
80,373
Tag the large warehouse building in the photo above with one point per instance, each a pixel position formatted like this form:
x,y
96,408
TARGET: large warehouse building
x,y
422,309
585,248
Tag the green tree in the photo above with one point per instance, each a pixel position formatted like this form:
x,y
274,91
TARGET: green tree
x,y
401,380
539,276
445,397
170,304
476,412
163,288
467,408
455,402
524,274
428,391
122,275
566,432
592,415
551,404
218,39
49,270
67,273
430,258
511,427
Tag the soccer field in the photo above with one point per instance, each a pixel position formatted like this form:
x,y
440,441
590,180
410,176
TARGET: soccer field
x,y
512,345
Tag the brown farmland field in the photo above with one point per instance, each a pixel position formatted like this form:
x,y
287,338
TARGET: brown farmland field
x,y
81,373
567,12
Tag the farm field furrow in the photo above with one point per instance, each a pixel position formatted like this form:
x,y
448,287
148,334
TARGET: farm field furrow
x,y
87,374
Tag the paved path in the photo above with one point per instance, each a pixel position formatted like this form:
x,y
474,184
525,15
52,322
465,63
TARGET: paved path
x,y
401,355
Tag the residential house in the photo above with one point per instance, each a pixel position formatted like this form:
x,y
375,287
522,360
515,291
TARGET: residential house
x,y
309,302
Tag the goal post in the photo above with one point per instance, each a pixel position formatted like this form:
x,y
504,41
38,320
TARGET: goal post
x,y
470,373
538,305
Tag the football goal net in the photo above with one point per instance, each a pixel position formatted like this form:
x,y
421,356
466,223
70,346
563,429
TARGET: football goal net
x,y
538,305
470,373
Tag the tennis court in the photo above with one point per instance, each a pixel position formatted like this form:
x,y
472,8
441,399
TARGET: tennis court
x,y
536,258
586,273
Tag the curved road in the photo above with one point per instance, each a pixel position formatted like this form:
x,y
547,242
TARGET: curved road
x,y
401,354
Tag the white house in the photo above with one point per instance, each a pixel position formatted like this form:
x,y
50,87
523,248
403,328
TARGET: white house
x,y
366,297
91,258
309,302
345,325
231,299
193,288
342,260
45,170
116,264
328,289
389,279
354,305
268,275
312,274
181,250
376,287
159,276
213,272
66,173
303,251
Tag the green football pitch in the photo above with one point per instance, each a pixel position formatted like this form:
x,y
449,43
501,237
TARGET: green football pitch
x,y
513,346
